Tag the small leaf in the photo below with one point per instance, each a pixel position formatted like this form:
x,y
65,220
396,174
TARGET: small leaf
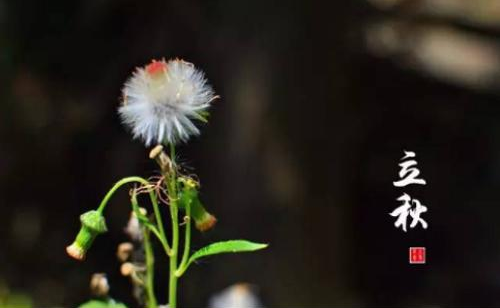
x,y
232,246
17,300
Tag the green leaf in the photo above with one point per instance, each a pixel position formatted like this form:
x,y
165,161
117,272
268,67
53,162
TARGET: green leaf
x,y
232,246
102,303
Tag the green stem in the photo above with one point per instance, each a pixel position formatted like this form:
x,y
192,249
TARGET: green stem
x,y
149,284
154,201
172,192
162,240
159,221
120,183
187,243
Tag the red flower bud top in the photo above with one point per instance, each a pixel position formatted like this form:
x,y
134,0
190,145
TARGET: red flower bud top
x,y
156,67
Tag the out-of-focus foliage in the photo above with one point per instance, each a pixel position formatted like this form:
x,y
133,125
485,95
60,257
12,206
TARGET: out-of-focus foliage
x,y
102,303
10,299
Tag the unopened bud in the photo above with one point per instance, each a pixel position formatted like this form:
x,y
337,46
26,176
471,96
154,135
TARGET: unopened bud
x,y
124,251
99,286
127,269
93,224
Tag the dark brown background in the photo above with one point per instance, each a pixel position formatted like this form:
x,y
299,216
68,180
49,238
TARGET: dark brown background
x,y
300,152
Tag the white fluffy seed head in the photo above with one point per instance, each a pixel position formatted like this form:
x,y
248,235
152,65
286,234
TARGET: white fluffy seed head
x,y
161,100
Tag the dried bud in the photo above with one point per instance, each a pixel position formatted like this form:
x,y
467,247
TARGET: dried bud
x,y
127,269
189,197
133,228
161,158
93,224
99,286
124,251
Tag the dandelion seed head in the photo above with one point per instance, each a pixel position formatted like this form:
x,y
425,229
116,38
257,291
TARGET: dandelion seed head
x,y
161,100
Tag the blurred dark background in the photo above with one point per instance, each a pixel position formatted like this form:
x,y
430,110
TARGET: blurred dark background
x,y
319,100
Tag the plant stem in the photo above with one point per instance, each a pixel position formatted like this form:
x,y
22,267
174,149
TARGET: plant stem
x,y
150,260
154,201
120,183
187,243
159,220
172,192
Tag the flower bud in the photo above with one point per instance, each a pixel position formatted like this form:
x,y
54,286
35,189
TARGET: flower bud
x,y
99,286
93,223
124,251
127,269
189,197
